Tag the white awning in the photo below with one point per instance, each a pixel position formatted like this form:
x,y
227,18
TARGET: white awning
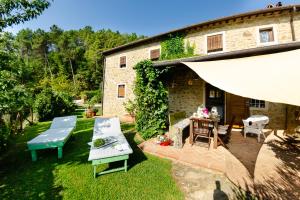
x,y
273,77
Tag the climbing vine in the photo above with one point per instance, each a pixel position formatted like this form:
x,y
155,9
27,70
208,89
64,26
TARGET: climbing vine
x,y
151,100
173,47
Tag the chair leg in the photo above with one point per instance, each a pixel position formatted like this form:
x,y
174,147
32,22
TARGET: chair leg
x,y
263,134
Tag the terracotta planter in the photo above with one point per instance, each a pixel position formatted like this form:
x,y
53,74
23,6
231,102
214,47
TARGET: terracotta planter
x,y
89,113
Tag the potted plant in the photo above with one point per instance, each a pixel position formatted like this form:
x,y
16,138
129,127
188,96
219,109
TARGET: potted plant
x,y
89,111
95,110
163,140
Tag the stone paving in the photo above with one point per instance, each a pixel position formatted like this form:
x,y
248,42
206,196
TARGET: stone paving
x,y
199,155
277,169
202,184
276,174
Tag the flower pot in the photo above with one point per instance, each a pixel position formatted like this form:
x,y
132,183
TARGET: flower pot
x,y
166,143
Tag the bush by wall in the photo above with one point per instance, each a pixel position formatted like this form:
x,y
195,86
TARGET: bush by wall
x,y
151,100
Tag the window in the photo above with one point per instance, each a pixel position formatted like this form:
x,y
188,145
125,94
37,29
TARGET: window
x,y
254,103
266,35
214,43
123,62
121,91
154,54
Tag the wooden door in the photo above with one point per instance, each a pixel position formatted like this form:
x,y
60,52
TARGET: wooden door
x,y
214,97
236,106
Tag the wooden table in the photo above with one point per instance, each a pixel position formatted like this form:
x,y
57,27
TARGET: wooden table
x,y
215,131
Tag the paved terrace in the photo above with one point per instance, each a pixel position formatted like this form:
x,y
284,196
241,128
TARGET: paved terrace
x,y
276,172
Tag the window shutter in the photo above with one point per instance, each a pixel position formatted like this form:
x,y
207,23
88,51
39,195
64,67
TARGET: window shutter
x,y
121,91
215,43
154,54
271,35
123,61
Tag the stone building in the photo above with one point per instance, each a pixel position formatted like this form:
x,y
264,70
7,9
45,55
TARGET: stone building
x,y
257,32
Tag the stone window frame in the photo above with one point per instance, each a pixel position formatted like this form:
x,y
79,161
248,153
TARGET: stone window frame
x,y
125,91
259,108
153,48
223,33
275,34
119,63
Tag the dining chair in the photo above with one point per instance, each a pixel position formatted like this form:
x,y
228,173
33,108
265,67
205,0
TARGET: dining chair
x,y
224,132
202,128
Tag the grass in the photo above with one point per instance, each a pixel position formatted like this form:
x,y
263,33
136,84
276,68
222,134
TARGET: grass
x,y
71,177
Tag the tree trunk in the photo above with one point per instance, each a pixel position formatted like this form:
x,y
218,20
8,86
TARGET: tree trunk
x,y
21,121
70,61
47,64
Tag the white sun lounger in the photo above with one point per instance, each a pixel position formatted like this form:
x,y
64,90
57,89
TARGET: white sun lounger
x,y
55,137
118,150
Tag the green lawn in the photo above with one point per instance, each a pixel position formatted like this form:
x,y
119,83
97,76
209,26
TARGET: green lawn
x,y
148,177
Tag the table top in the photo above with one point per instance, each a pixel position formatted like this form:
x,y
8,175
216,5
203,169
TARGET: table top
x,y
258,118
214,119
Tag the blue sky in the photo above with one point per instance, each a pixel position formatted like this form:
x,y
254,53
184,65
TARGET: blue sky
x,y
147,17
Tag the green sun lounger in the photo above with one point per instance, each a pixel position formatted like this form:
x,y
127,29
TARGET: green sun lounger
x,y
55,137
117,149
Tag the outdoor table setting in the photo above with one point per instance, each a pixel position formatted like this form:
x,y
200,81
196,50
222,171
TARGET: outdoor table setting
x,y
212,118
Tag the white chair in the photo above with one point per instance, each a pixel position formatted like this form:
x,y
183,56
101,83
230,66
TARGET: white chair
x,y
255,124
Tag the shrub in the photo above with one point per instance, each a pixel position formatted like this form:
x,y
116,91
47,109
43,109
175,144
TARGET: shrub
x,y
151,100
96,98
89,94
49,104
130,107
4,135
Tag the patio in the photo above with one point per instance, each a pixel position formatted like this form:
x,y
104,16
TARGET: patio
x,y
265,172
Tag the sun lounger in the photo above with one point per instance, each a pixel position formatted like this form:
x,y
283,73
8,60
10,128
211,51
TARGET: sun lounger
x,y
118,149
55,137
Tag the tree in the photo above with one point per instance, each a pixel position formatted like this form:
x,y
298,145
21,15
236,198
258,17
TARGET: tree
x,y
17,11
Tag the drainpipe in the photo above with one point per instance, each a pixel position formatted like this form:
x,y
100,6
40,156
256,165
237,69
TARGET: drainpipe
x,y
292,22
103,81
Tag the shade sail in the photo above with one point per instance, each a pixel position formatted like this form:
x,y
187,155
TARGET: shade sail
x,y
273,77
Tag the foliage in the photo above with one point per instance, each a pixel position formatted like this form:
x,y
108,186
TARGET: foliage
x,y
4,135
72,176
99,142
173,47
49,104
130,107
65,62
17,11
151,100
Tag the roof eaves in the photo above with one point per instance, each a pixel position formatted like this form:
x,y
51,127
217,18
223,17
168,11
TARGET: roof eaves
x,y
155,37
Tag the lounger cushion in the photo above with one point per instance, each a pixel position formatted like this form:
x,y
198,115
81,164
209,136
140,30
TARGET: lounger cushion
x,y
107,127
51,135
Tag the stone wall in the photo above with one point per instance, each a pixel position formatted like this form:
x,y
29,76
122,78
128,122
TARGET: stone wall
x,y
114,75
276,112
292,111
297,26
239,34
186,91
